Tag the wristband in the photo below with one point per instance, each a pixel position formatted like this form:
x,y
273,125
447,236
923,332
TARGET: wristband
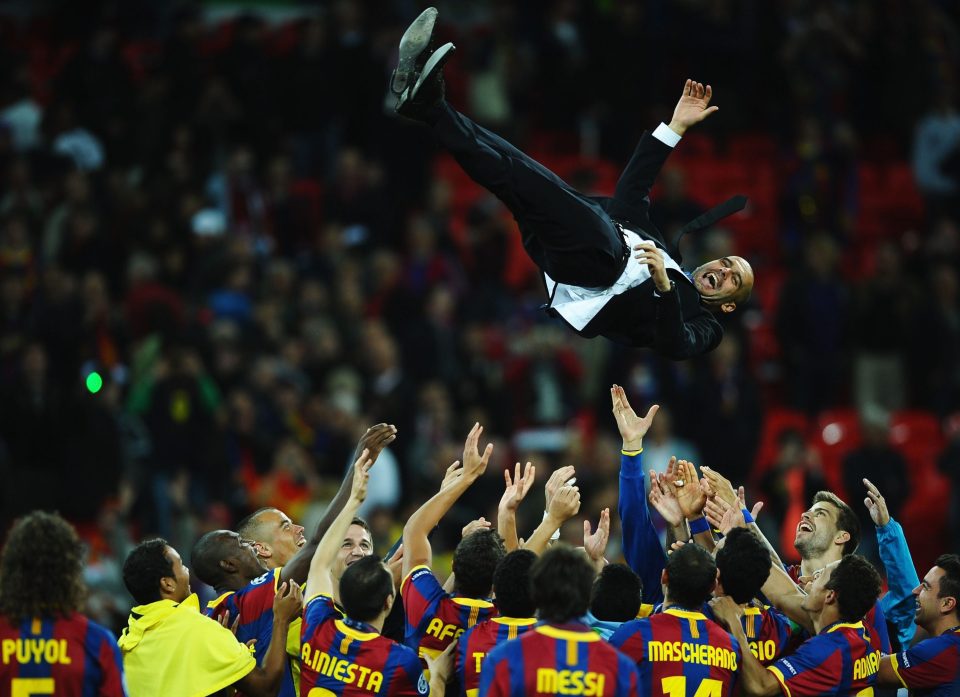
x,y
699,525
556,533
746,515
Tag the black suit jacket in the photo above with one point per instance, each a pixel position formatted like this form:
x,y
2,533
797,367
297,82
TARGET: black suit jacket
x,y
675,325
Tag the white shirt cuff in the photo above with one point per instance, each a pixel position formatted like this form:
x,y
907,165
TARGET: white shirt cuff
x,y
666,135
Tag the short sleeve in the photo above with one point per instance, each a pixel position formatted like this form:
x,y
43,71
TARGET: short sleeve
x,y
928,664
811,671
218,655
414,671
420,591
318,610
108,658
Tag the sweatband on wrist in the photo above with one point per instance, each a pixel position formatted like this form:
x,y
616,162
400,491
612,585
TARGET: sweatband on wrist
x,y
556,533
746,515
699,525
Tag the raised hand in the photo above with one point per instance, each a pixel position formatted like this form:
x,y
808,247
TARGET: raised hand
x,y
720,486
693,106
517,487
632,427
395,564
376,438
453,473
742,497
475,463
876,504
557,480
565,504
595,544
722,516
689,495
361,476
662,498
475,526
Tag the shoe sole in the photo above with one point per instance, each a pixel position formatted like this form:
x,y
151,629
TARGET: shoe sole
x,y
433,65
413,43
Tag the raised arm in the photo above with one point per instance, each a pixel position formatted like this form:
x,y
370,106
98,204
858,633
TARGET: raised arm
x,y
373,441
416,546
899,603
595,543
641,544
564,504
320,580
514,492
653,149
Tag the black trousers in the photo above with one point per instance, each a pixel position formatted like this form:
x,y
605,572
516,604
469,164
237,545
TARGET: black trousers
x,y
566,233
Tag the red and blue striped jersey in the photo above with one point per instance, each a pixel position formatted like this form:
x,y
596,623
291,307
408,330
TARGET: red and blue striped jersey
x,y
837,661
66,657
435,618
253,604
677,651
769,632
932,667
874,622
476,643
343,657
568,659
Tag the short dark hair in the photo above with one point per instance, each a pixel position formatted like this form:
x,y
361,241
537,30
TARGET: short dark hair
x,y
744,565
206,555
950,581
364,588
511,583
357,520
560,583
474,561
847,520
249,525
857,585
41,569
691,576
617,594
146,564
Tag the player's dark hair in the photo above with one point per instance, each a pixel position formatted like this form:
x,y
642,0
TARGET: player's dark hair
x,y
857,585
744,565
617,594
356,520
560,583
691,576
146,564
511,583
847,520
41,569
474,561
364,588
206,555
950,581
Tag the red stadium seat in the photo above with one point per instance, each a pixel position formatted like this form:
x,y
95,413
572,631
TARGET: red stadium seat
x,y
835,434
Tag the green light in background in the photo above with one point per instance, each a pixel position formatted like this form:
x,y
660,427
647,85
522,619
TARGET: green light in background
x,y
94,382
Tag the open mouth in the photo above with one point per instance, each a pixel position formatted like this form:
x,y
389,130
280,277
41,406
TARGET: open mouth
x,y
711,279
804,527
301,542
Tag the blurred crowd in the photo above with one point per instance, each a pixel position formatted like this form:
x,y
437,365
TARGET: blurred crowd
x,y
222,258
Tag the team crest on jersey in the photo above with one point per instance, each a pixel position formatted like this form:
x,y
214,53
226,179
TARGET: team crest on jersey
x,y
262,579
423,687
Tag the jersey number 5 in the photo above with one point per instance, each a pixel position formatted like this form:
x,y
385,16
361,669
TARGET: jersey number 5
x,y
29,687
676,686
